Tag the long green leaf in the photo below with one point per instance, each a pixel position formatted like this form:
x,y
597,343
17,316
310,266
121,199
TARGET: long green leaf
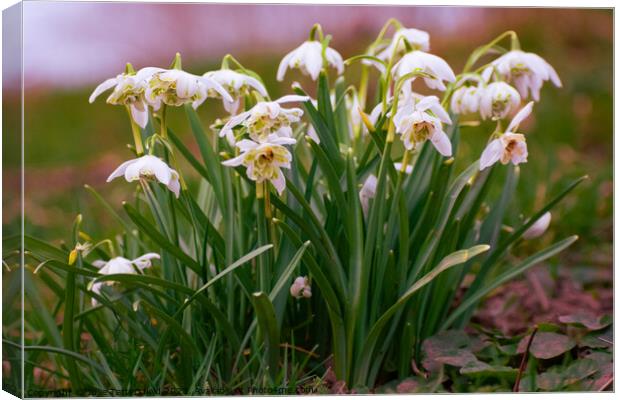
x,y
160,239
58,350
210,158
506,276
223,273
451,260
268,324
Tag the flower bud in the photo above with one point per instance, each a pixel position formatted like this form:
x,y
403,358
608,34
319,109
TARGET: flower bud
x,y
301,288
539,227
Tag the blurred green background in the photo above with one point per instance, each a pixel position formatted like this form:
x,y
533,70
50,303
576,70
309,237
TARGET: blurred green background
x,y
69,143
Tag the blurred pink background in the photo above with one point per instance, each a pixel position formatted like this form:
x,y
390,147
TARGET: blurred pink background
x,y
70,44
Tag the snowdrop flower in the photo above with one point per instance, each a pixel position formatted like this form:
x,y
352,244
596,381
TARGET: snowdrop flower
x,y
120,265
509,146
415,124
175,87
424,62
301,288
266,118
499,100
527,71
149,168
236,84
466,98
539,227
309,59
367,192
129,91
264,160
419,40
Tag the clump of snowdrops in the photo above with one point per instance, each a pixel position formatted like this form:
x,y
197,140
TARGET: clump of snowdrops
x,y
327,228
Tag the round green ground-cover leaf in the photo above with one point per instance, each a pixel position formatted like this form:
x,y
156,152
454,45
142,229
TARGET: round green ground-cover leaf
x,y
453,347
547,345
482,369
574,373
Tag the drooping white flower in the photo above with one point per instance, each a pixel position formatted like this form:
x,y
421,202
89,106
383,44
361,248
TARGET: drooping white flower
x,y
367,192
527,71
301,288
128,90
266,118
509,146
236,84
418,60
465,100
415,123
264,161
120,265
499,100
150,168
309,59
175,87
419,40
539,227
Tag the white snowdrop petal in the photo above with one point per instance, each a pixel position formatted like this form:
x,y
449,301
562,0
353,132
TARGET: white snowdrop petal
x,y
442,143
140,114
234,162
520,117
102,87
284,64
279,183
160,169
491,154
539,227
120,171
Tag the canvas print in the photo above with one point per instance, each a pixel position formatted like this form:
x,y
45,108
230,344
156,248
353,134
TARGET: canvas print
x,y
259,199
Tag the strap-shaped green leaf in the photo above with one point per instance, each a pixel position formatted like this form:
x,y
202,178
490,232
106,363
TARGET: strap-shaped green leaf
x,y
456,258
506,276
268,324
160,239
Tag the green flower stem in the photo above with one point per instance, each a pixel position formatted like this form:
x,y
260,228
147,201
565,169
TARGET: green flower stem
x,y
263,259
162,122
268,217
481,51
229,58
316,28
405,162
363,88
